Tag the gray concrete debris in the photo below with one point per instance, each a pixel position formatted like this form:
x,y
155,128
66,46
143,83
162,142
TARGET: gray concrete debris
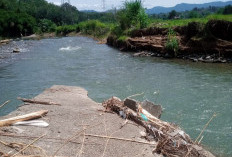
x,y
131,103
155,110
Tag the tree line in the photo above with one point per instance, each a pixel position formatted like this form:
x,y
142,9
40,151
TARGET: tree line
x,y
25,17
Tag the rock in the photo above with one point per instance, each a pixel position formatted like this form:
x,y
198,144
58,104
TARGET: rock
x,y
131,103
208,57
5,41
155,110
16,50
200,59
138,54
195,60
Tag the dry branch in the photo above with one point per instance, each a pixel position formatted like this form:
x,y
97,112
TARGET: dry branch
x,y
28,145
30,116
172,141
71,138
37,101
119,138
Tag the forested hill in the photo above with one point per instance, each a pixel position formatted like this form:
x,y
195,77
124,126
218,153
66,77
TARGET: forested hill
x,y
184,7
24,17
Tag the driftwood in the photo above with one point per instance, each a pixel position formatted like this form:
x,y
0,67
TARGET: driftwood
x,y
37,101
172,141
30,116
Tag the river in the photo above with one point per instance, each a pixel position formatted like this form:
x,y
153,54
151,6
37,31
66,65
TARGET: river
x,y
190,93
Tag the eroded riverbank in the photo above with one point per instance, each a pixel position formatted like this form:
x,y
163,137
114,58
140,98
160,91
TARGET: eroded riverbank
x,y
209,43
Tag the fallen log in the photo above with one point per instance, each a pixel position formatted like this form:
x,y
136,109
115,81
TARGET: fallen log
x,y
37,101
30,116
172,141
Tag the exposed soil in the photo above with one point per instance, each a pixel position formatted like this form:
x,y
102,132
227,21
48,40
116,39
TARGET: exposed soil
x,y
77,111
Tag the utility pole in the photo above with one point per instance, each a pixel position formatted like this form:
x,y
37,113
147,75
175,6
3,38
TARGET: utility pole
x,y
65,1
103,5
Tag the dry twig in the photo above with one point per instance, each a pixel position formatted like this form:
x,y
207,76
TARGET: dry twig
x,y
206,125
119,138
5,103
135,95
47,138
71,138
28,145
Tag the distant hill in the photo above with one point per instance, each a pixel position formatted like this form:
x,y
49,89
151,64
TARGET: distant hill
x,y
88,11
185,6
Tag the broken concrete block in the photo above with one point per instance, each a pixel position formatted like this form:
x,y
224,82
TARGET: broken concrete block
x,y
131,103
155,110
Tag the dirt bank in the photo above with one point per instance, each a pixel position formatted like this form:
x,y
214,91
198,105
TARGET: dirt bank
x,y
77,112
210,42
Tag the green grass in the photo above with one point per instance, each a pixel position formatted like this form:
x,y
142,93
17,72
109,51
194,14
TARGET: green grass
x,y
183,22
123,38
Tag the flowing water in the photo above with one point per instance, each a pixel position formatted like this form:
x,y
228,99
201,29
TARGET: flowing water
x,y
190,93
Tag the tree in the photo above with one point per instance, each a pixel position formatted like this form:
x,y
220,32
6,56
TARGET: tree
x,y
227,10
172,14
132,15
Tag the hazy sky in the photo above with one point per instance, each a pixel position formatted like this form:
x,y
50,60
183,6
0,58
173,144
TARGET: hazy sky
x,y
97,4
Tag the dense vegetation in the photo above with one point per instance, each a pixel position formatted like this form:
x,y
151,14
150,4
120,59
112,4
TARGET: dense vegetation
x,y
25,17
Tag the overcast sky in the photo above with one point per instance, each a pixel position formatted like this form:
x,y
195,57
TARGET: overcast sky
x,y
97,4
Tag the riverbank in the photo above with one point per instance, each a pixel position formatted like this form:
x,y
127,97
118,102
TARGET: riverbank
x,y
209,43
79,126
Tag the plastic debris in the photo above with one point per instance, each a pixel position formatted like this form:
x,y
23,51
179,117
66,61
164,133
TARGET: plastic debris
x,y
39,123
144,117
122,114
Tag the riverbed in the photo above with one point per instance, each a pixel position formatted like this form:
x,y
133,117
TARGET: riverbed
x,y
190,93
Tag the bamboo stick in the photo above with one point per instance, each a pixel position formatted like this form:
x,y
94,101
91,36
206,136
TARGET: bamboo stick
x,y
5,103
30,116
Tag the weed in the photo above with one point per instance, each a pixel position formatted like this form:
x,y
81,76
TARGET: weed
x,y
172,44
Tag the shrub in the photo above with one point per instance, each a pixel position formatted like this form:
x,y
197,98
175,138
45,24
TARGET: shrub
x,y
93,27
65,29
172,44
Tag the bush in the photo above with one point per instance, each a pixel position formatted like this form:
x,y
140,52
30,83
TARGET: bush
x,y
64,30
93,27
172,44
46,25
